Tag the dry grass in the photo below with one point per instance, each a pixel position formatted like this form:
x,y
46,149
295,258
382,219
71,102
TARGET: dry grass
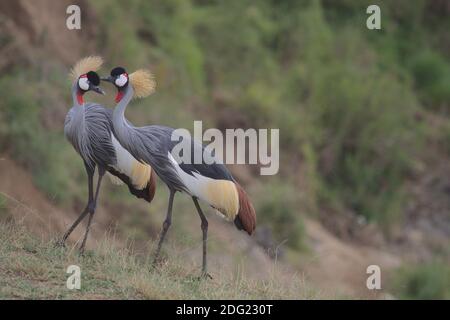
x,y
31,268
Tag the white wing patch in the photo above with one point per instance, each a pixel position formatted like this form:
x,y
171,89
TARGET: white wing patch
x,y
220,194
138,173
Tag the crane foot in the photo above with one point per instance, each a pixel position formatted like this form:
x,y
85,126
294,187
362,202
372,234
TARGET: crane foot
x,y
205,275
59,243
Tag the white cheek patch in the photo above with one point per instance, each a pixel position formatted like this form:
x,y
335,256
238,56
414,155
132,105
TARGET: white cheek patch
x,y
83,83
121,80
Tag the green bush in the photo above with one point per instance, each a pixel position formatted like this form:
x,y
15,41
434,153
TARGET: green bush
x,y
431,74
44,152
369,138
20,116
278,209
361,118
426,281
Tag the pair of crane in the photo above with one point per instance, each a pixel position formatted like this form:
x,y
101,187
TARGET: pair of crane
x,y
104,138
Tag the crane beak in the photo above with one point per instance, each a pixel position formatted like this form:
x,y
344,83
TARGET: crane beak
x,y
108,79
98,90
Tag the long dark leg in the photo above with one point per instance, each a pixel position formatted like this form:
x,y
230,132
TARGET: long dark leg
x,y
166,225
204,226
90,173
101,173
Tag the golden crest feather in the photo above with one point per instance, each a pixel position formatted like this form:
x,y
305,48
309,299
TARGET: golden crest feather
x,y
142,82
91,63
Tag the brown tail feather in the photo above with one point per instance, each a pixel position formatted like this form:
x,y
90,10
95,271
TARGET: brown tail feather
x,y
246,217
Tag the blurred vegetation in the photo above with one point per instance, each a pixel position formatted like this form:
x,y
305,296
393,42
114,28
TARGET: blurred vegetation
x,y
342,92
42,150
346,99
275,209
2,206
426,281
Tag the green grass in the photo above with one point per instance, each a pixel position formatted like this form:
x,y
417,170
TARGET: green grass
x,y
3,210
426,281
33,268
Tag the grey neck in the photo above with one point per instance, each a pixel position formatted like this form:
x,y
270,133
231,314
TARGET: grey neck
x,y
79,108
74,95
119,122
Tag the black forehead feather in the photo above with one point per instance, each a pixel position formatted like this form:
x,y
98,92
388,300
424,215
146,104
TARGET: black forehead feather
x,y
117,71
93,78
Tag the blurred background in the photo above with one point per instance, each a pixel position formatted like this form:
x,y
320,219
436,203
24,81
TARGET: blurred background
x,y
364,118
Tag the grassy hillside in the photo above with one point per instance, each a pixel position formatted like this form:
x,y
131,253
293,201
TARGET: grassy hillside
x,y
36,269
363,118
352,104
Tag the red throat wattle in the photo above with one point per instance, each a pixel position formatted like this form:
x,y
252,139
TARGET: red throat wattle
x,y
119,96
80,98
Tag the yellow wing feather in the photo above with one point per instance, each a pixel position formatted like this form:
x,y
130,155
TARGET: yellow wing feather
x,y
223,196
140,175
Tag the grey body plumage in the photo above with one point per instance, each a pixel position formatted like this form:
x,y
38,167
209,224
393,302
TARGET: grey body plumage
x,y
88,127
153,145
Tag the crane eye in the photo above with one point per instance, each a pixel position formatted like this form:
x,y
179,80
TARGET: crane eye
x,y
83,83
121,80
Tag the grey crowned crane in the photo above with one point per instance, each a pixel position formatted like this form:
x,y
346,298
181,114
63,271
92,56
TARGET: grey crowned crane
x,y
88,127
152,145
